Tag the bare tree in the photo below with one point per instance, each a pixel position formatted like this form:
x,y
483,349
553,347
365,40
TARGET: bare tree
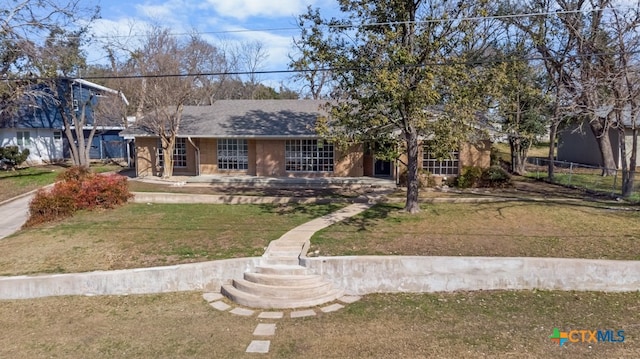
x,y
174,73
23,25
625,74
573,45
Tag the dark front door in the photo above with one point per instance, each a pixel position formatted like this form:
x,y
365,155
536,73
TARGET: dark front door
x,y
382,168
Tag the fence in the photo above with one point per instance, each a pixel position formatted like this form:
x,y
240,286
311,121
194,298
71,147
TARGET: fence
x,y
578,175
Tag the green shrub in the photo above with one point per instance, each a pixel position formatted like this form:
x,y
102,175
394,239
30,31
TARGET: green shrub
x,y
496,177
425,179
11,156
470,177
77,189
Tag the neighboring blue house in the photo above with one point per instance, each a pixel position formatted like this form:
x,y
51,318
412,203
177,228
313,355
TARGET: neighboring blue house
x,y
38,126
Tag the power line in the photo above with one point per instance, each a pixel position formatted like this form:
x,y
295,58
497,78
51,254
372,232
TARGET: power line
x,y
389,23
329,69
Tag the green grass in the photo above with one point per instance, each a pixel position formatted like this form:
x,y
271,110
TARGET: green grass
x,y
146,235
578,229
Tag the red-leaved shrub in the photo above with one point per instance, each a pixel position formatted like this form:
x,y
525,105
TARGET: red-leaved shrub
x,y
77,189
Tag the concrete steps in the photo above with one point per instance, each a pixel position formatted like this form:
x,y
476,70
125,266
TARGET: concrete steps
x,y
281,286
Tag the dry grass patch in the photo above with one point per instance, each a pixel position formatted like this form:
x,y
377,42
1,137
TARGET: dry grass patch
x,y
464,325
178,325
141,235
504,229
443,325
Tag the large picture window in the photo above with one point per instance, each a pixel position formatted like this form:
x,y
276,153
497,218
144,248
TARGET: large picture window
x,y
233,154
440,166
308,156
179,153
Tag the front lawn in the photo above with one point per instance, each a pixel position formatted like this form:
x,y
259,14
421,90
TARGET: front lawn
x,y
497,324
577,229
147,235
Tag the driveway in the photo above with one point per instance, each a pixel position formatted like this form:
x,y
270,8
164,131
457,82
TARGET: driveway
x,y
13,214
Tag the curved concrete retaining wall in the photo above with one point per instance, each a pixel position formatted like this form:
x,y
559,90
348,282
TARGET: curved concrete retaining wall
x,y
356,274
379,274
206,276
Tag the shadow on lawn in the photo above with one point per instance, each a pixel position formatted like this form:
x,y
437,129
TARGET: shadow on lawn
x,y
371,215
312,210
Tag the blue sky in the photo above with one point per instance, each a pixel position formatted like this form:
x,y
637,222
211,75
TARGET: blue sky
x,y
220,21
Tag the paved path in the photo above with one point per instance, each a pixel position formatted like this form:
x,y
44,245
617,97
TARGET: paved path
x,y
295,242
13,214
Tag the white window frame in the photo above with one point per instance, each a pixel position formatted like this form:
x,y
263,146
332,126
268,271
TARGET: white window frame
x,y
441,167
307,155
179,153
23,139
233,154
57,136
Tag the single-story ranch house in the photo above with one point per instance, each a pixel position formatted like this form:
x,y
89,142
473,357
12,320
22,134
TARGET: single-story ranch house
x,y
274,138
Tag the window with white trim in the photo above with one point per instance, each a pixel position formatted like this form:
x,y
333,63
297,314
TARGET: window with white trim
x,y
57,135
440,166
308,156
179,153
233,154
23,138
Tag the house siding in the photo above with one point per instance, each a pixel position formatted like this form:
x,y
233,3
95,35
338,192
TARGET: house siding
x,y
269,158
475,154
578,144
44,148
146,157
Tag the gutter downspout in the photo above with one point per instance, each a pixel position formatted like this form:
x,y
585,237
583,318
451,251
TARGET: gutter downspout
x,y
197,155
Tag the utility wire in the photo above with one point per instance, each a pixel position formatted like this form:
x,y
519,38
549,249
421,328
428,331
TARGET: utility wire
x,y
389,23
328,69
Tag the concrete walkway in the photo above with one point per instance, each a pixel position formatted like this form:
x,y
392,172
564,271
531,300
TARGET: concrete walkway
x,y
295,243
14,213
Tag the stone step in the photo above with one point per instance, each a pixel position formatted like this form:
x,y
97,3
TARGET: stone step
x,y
281,269
253,301
290,291
282,279
279,252
275,260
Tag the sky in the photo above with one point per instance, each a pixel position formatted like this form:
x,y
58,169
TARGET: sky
x,y
272,22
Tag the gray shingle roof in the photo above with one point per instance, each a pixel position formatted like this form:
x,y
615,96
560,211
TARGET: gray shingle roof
x,y
248,119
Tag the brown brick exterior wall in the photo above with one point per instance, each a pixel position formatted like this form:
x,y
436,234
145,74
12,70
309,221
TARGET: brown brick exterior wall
x,y
266,158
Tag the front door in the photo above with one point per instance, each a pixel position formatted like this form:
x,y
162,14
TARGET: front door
x,y
382,168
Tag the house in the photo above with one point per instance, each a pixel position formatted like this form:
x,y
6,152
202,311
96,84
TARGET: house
x,y
38,126
578,144
273,138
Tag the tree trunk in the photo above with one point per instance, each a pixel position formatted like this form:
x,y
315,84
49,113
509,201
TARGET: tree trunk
x,y
412,205
519,149
553,132
168,143
628,179
604,143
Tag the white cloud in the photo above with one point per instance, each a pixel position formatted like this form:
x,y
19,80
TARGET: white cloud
x,y
242,9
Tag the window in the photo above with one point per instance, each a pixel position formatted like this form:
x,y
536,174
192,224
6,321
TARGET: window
x,y
443,166
57,135
233,154
23,138
75,105
179,153
308,156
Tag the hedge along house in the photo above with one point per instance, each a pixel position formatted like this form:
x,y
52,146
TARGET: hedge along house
x,y
270,138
